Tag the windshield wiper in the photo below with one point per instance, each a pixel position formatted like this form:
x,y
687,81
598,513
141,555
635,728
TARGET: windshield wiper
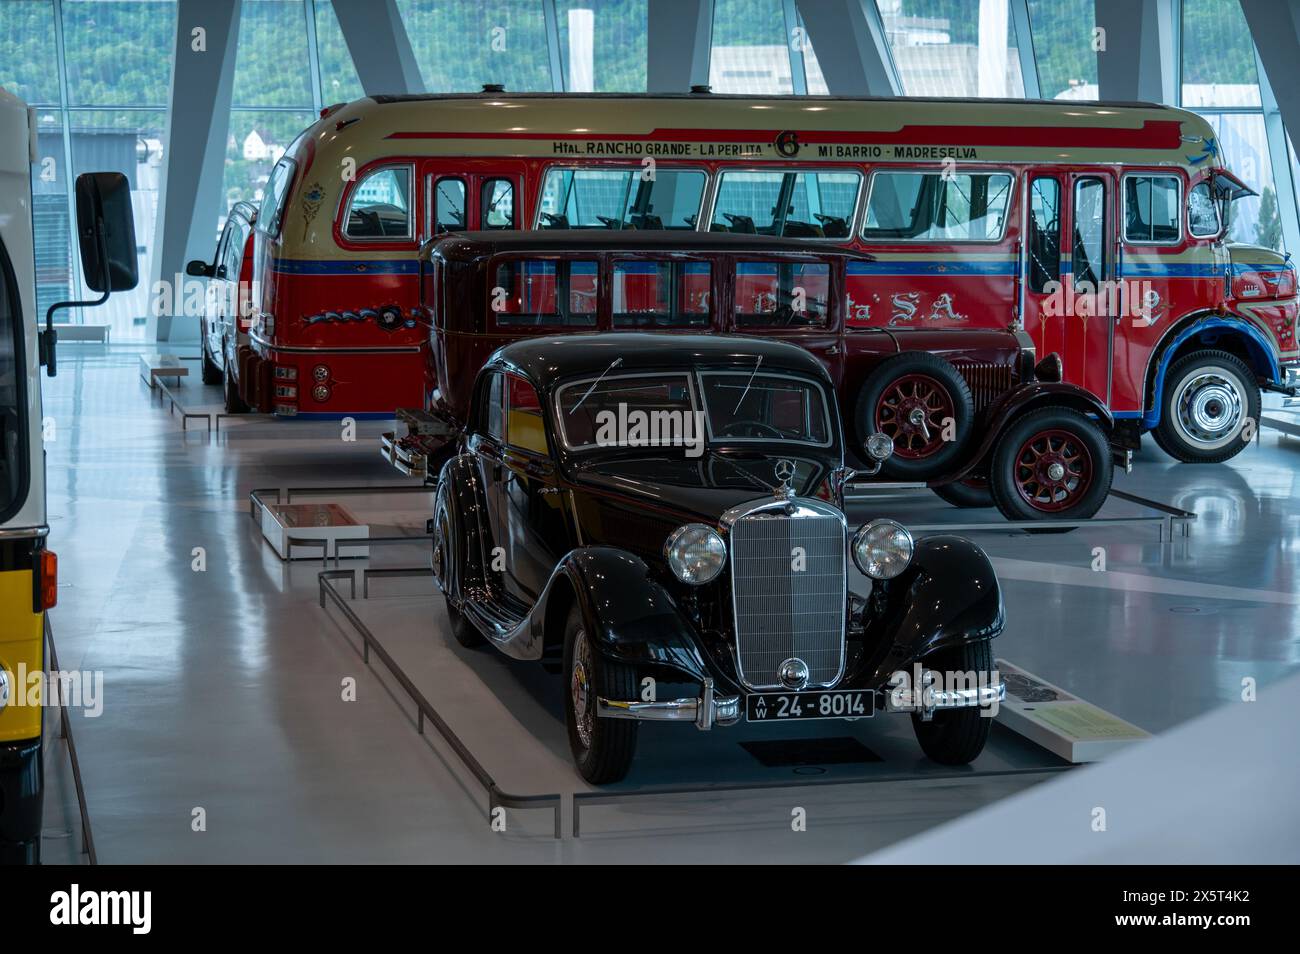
x,y
744,471
612,365
747,384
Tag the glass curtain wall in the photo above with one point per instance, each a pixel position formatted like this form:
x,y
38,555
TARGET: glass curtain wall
x,y
100,88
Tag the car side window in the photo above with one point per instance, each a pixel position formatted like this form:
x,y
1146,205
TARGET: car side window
x,y
380,207
492,416
648,294
525,428
233,254
782,294
544,293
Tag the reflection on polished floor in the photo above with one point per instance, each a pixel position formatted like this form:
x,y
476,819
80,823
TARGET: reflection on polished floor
x,y
222,685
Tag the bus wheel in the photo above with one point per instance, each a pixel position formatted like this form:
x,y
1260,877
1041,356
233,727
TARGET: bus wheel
x,y
925,406
1051,464
969,493
1208,396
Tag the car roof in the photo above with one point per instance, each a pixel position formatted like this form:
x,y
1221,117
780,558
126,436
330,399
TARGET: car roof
x,y
555,357
472,245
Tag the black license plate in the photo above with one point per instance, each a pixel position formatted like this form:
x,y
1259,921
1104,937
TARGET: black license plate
x,y
831,704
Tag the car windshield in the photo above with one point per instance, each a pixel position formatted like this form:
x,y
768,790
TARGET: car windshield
x,y
687,410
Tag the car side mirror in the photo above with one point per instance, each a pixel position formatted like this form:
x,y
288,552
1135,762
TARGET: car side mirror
x,y
198,269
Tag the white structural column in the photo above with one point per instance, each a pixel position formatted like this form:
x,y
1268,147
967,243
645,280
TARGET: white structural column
x,y
1019,10
379,46
1275,28
993,53
1135,56
679,34
198,121
849,39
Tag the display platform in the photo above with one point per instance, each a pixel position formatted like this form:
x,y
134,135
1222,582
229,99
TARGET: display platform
x,y
1060,722
283,525
162,366
508,716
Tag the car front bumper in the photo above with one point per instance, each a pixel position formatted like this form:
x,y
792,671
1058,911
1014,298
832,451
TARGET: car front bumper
x,y
711,709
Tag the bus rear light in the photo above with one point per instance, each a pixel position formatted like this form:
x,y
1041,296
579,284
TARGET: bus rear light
x,y
48,593
286,391
321,373
285,373
285,410
321,392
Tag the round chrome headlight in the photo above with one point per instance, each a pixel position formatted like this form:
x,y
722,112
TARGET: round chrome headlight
x,y
882,549
695,553
880,446
4,688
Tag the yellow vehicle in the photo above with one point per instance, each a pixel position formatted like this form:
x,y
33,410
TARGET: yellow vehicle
x,y
28,568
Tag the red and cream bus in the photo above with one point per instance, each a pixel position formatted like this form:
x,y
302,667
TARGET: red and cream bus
x,y
1098,230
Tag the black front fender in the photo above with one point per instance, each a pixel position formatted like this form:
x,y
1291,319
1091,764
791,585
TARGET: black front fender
x,y
629,614
948,596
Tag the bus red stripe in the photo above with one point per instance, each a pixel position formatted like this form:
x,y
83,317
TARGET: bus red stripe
x,y
1154,134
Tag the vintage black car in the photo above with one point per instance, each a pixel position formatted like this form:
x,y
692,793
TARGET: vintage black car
x,y
638,510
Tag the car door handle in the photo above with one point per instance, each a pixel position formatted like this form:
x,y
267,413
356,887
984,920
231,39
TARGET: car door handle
x,y
833,350
548,491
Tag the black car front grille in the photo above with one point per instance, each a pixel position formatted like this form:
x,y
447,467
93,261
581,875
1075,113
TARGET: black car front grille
x,y
788,584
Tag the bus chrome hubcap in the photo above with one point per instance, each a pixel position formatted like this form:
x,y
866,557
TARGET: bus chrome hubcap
x,y
580,689
1209,408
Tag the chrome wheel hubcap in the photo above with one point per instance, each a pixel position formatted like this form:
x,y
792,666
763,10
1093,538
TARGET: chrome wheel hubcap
x,y
1209,408
580,690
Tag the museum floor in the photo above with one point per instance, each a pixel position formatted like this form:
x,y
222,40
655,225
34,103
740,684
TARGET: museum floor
x,y
222,687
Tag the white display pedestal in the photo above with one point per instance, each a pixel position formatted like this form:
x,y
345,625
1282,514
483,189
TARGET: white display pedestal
x,y
313,521
1060,722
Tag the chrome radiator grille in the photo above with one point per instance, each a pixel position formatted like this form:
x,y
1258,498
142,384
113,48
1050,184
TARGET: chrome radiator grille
x,y
988,382
782,612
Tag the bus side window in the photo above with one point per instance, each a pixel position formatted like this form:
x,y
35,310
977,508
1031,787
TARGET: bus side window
x,y
1044,233
1202,212
1152,209
815,205
448,205
380,207
498,204
1088,256
920,206
621,199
